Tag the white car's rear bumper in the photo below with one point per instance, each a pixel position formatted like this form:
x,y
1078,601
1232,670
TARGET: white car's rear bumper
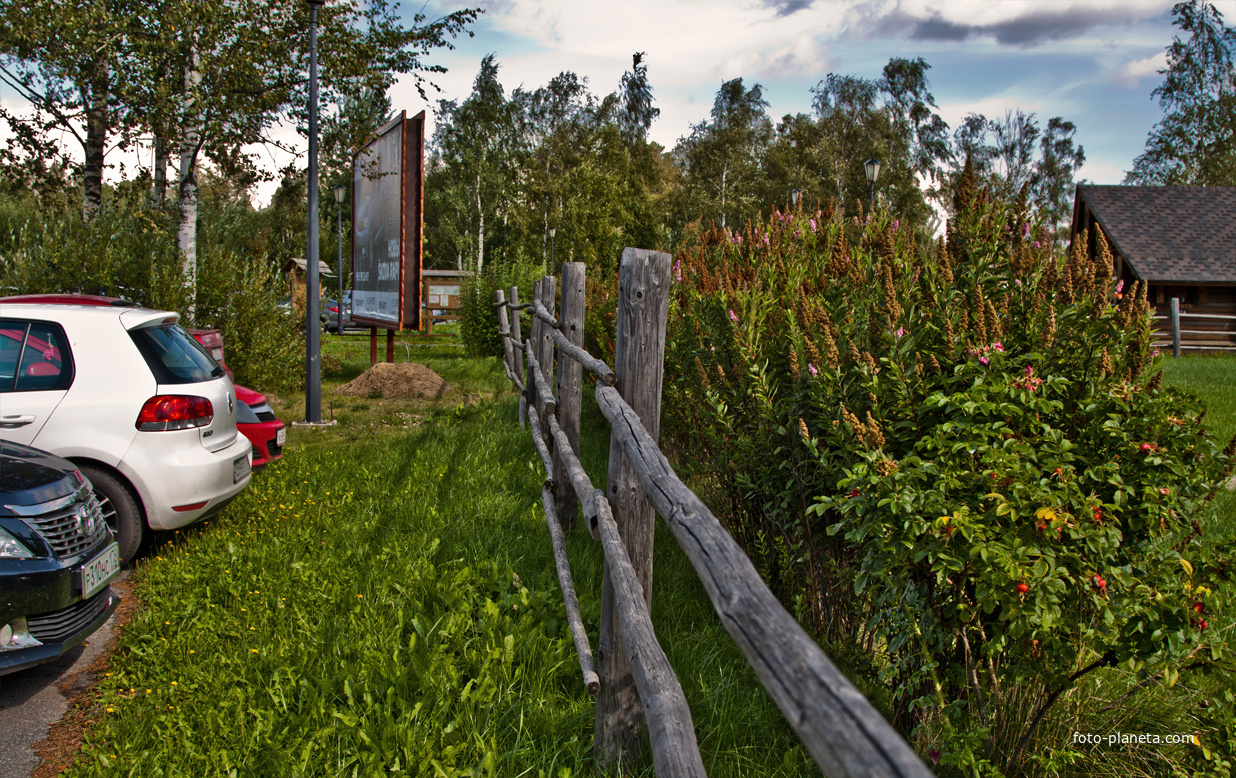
x,y
188,475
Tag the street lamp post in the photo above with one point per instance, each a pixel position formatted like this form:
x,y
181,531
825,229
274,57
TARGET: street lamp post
x,y
872,166
552,231
796,197
313,334
339,189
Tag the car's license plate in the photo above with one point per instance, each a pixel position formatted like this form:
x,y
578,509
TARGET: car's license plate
x,y
98,571
240,469
281,436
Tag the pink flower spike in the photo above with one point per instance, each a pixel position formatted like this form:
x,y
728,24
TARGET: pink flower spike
x,y
984,361
998,346
1029,371
812,370
901,331
1165,490
896,224
1036,244
733,316
1025,229
811,222
1120,286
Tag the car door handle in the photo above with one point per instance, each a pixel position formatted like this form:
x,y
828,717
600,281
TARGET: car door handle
x,y
13,422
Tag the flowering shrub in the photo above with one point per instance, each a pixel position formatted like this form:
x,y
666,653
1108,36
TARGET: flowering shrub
x,y
958,457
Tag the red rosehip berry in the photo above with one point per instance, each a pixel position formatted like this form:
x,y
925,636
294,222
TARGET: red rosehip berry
x,y
1145,447
1022,587
855,493
1202,624
1198,607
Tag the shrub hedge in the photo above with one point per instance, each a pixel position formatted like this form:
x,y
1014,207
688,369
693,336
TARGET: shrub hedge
x,y
955,461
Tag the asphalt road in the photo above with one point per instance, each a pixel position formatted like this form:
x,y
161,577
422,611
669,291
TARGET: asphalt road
x,y
31,700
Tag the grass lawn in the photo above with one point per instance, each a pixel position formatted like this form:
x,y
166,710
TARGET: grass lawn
x,y
1212,380
383,601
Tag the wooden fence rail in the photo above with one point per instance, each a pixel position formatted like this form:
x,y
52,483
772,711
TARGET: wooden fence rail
x,y
1212,333
840,729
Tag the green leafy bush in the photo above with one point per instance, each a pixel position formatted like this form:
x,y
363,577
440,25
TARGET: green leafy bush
x,y
479,319
129,251
958,459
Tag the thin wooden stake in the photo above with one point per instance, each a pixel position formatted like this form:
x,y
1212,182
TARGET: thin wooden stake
x,y
570,390
518,364
576,624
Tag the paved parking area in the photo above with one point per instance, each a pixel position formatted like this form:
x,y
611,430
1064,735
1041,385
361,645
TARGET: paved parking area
x,y
32,700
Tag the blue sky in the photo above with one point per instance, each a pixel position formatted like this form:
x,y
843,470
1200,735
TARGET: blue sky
x,y
1092,62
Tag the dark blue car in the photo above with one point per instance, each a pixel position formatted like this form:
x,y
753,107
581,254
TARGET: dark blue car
x,y
57,558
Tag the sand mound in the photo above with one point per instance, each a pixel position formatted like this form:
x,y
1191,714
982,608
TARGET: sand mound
x,y
403,379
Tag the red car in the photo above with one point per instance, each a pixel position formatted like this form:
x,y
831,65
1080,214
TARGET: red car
x,y
257,422
254,418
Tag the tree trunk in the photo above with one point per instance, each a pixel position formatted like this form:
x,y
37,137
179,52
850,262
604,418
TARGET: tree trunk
x,y
161,157
724,170
480,230
96,138
190,143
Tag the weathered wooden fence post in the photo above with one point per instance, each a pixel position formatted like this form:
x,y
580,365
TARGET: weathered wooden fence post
x,y
518,352
1176,327
504,331
545,342
570,389
534,337
643,308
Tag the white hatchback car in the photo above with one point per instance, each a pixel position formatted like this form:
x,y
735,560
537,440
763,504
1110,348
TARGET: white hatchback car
x,y
130,398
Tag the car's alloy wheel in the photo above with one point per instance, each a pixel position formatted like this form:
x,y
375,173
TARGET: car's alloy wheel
x,y
119,510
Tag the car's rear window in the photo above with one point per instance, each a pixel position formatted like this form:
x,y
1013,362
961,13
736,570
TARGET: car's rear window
x,y
174,356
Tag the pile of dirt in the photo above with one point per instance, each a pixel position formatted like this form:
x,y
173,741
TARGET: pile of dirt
x,y
403,379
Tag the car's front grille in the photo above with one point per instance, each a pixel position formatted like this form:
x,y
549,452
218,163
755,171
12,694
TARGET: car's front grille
x,y
263,412
73,528
272,448
55,627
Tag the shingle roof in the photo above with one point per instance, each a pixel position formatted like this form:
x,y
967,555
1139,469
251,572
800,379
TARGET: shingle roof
x,y
1170,233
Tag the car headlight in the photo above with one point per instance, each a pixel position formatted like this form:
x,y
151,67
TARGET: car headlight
x,y
11,547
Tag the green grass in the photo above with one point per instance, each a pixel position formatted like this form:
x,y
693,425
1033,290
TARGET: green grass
x,y
383,601
1212,380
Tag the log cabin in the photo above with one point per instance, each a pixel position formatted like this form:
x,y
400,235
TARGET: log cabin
x,y
1181,241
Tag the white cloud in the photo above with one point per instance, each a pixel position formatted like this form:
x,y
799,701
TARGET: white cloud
x,y
1130,74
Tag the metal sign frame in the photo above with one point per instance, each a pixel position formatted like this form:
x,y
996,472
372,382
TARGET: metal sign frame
x,y
376,285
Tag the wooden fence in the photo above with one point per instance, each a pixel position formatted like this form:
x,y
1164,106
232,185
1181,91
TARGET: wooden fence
x,y
631,677
1207,331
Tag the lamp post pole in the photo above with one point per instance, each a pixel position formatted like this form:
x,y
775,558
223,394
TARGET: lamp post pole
x,y
872,168
313,334
339,189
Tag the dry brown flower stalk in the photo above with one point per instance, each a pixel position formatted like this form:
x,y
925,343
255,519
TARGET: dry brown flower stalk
x,y
874,436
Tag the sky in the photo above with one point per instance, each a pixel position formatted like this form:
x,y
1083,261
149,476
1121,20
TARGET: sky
x,y
1092,62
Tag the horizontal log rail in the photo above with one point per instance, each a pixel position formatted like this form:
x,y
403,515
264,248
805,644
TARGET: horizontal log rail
x,y
538,310
841,730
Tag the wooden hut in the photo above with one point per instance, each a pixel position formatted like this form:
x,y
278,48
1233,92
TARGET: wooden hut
x,y
1181,241
297,269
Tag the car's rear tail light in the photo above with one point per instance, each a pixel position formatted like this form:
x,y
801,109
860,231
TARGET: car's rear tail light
x,y
175,412
190,507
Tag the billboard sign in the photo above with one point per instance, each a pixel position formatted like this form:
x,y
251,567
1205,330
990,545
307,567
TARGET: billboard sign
x,y
388,187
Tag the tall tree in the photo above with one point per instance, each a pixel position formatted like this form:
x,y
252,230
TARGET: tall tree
x,y
477,141
721,157
638,112
1195,142
63,57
